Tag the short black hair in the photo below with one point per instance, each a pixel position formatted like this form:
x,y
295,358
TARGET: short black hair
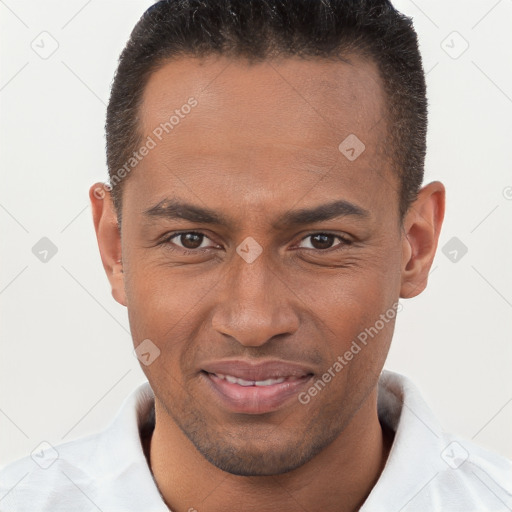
x,y
262,29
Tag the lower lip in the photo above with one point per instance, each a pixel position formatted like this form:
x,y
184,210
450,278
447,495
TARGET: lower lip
x,y
254,399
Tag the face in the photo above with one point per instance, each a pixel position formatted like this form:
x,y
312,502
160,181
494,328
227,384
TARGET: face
x,y
255,247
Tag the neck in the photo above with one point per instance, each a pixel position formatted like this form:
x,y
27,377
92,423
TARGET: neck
x,y
338,479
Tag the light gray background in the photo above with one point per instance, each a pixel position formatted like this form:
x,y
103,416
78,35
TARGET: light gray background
x,y
66,353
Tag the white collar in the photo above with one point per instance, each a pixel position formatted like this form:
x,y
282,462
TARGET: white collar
x,y
426,470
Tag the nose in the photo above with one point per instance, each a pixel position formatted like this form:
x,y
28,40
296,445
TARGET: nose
x,y
255,304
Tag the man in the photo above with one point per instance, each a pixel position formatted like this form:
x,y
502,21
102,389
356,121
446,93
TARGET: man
x,y
263,217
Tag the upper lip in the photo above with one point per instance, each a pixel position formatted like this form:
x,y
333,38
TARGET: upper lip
x,y
257,371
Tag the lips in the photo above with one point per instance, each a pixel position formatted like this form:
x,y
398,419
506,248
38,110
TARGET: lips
x,y
273,369
244,387
243,382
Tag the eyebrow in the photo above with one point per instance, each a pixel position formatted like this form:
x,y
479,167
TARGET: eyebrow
x,y
174,209
332,210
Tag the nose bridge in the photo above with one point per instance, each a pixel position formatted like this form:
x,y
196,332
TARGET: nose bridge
x,y
254,306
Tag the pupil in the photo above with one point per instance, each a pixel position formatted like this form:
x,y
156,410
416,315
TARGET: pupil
x,y
322,241
191,240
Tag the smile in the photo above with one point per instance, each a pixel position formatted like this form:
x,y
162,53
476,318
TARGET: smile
x,y
243,382
249,396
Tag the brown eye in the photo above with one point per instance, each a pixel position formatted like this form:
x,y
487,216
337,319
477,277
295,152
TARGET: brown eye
x,y
322,241
191,240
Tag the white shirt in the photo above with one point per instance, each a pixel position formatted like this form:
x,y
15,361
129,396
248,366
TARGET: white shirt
x,y
427,469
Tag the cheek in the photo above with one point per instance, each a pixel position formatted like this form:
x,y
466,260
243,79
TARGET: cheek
x,y
357,329
161,313
170,307
162,302
154,280
355,305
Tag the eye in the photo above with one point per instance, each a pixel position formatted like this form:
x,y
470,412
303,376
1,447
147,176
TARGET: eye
x,y
323,241
190,240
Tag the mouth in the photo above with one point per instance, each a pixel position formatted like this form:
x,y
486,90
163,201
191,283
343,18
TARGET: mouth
x,y
249,389
246,383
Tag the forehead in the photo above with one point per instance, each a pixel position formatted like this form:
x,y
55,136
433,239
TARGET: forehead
x,y
310,101
262,122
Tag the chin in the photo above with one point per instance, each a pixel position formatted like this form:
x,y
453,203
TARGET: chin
x,y
250,456
255,463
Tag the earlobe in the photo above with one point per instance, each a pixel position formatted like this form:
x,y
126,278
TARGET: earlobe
x,y
421,228
109,239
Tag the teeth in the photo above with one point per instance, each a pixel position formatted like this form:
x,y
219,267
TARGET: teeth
x,y
269,382
243,382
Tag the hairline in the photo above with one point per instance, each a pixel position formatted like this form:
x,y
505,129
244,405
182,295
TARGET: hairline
x,y
337,56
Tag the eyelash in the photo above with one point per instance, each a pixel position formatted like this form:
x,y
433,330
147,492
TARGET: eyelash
x,y
168,239
343,241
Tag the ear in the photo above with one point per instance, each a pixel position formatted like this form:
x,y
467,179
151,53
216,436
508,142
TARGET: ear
x,y
421,228
109,238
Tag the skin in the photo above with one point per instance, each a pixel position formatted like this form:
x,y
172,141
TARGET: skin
x,y
263,141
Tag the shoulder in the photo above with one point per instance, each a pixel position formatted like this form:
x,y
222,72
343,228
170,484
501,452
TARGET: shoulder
x,y
471,477
51,477
103,471
429,469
